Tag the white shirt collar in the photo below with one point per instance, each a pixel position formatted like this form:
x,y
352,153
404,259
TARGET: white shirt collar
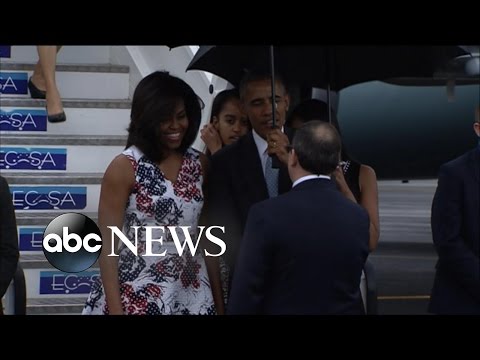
x,y
260,142
309,177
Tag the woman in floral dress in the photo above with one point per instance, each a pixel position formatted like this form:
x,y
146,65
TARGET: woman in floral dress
x,y
156,181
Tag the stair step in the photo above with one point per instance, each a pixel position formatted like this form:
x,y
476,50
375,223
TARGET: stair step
x,y
44,218
19,178
57,306
51,283
99,68
38,261
55,198
68,54
84,140
71,154
10,101
84,117
85,81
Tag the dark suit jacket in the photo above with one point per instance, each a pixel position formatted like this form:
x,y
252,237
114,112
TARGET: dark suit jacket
x,y
456,235
8,237
235,183
302,253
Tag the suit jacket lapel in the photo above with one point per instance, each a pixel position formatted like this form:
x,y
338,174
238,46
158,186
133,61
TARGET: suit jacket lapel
x,y
252,171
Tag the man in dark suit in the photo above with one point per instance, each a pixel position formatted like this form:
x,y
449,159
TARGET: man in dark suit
x,y
456,234
236,179
291,262
8,238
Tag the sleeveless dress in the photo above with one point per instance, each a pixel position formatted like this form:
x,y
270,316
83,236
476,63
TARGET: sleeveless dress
x,y
170,284
351,172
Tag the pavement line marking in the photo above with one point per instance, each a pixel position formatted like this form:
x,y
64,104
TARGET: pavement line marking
x,y
404,297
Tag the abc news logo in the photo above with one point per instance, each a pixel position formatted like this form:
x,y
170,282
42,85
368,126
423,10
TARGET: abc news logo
x,y
79,236
72,242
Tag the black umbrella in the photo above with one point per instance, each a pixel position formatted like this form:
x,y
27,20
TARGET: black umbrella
x,y
323,66
329,67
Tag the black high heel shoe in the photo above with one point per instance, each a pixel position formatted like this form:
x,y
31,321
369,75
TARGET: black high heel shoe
x,y
56,118
35,93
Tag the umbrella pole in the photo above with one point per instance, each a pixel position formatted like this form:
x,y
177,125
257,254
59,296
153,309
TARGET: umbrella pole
x,y
275,160
272,71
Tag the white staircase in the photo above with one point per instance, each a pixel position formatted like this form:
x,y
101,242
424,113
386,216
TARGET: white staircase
x,y
57,168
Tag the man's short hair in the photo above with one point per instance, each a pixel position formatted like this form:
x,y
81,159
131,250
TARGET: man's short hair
x,y
477,114
318,147
259,74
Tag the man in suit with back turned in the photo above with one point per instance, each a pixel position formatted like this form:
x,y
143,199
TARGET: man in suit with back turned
x,y
455,224
289,264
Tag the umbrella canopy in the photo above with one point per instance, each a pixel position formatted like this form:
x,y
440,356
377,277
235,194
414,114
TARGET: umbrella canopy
x,y
323,66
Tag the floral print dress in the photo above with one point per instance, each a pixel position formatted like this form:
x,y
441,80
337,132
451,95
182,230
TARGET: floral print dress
x,y
170,284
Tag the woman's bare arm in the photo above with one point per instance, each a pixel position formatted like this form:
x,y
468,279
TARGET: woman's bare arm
x,y
116,187
369,201
211,262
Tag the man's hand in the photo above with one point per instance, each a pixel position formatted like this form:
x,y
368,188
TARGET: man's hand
x,y
278,145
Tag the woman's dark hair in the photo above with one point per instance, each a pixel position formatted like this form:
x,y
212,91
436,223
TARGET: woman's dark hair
x,y
314,109
219,103
154,101
311,109
221,99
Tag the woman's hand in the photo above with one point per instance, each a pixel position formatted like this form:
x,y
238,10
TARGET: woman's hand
x,y
342,185
340,179
211,138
